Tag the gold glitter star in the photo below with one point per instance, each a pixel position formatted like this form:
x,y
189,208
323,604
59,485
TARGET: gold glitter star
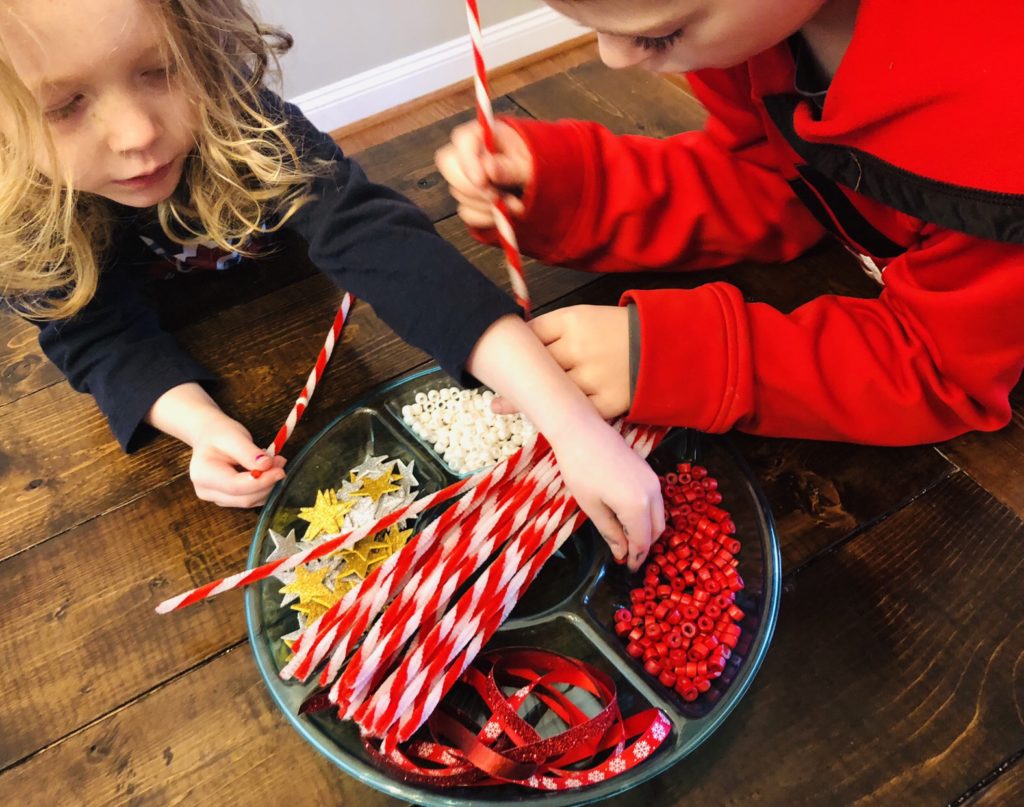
x,y
396,537
312,610
355,563
341,588
326,516
378,486
307,585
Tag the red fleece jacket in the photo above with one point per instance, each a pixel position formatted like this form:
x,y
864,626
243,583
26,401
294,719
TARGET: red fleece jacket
x,y
912,161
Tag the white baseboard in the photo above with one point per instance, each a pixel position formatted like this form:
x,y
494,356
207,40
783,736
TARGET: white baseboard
x,y
411,77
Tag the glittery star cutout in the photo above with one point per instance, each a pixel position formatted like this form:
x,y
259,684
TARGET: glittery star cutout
x,y
307,585
396,537
326,516
312,610
355,563
341,588
378,486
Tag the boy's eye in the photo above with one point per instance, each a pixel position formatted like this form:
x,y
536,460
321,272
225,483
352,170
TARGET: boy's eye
x,y
658,43
65,111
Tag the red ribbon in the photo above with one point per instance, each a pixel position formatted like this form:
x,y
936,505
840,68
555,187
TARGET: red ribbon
x,y
505,748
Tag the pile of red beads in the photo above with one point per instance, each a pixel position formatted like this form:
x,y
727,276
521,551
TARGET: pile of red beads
x,y
683,620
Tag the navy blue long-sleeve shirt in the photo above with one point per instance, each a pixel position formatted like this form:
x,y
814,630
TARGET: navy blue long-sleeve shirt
x,y
367,238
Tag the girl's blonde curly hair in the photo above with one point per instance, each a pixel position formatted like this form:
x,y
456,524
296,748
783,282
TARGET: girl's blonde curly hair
x,y
243,172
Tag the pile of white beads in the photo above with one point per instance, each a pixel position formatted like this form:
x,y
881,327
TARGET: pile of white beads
x,y
463,429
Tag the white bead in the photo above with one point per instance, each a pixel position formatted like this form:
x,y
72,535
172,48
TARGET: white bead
x,y
445,394
415,409
421,397
406,413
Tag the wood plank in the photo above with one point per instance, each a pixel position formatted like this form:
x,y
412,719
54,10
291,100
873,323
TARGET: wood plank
x,y
406,164
895,674
210,737
461,96
626,101
994,459
79,618
55,442
23,367
1006,789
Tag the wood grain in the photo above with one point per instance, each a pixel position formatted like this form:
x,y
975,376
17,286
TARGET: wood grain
x,y
995,459
896,674
626,101
1007,789
210,737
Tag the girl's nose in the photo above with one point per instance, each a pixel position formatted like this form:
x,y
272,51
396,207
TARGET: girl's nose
x,y
131,125
620,51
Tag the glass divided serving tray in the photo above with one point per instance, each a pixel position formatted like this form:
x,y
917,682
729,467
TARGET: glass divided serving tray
x,y
568,609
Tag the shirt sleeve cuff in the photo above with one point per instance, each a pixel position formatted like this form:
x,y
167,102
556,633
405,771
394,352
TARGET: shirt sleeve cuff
x,y
694,367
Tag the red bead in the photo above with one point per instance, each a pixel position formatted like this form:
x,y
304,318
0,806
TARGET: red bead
x,y
702,684
728,526
735,614
649,593
637,595
671,478
688,629
685,479
705,624
650,654
640,609
732,546
712,586
664,590
698,471
623,615
636,634
661,611
623,628
713,497
683,467
700,596
652,667
654,632
674,617
662,649
667,678
677,656
635,650
709,483
690,612
674,640
712,610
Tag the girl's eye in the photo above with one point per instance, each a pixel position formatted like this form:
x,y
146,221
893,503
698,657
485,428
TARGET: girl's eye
x,y
658,43
161,73
66,111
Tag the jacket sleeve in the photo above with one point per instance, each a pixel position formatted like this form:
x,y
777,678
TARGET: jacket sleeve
x,y
934,356
116,350
697,200
378,245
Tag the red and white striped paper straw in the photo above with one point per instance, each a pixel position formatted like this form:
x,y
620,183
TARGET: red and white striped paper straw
x,y
485,115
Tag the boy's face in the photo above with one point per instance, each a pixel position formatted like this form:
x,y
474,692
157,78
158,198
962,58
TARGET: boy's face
x,y
679,35
120,120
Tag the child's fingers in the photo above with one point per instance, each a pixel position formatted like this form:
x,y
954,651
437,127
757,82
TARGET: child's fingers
x,y
637,527
549,327
503,406
468,143
611,530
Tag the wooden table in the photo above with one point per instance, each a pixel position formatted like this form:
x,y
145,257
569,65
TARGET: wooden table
x,y
896,675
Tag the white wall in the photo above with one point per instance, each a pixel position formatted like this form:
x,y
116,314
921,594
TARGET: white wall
x,y
337,39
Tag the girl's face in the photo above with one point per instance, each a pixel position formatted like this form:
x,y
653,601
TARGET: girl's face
x,y
121,123
671,36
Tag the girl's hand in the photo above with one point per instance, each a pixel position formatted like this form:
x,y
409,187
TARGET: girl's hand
x,y
591,343
222,459
223,453
614,487
475,177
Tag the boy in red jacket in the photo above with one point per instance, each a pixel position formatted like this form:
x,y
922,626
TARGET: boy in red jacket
x,y
894,127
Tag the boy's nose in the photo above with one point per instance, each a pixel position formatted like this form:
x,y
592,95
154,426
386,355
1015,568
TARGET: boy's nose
x,y
620,51
131,126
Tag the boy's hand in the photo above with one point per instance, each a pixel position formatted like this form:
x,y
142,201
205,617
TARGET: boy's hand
x,y
475,176
222,459
591,343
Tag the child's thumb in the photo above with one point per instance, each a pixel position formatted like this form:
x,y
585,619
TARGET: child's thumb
x,y
503,406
